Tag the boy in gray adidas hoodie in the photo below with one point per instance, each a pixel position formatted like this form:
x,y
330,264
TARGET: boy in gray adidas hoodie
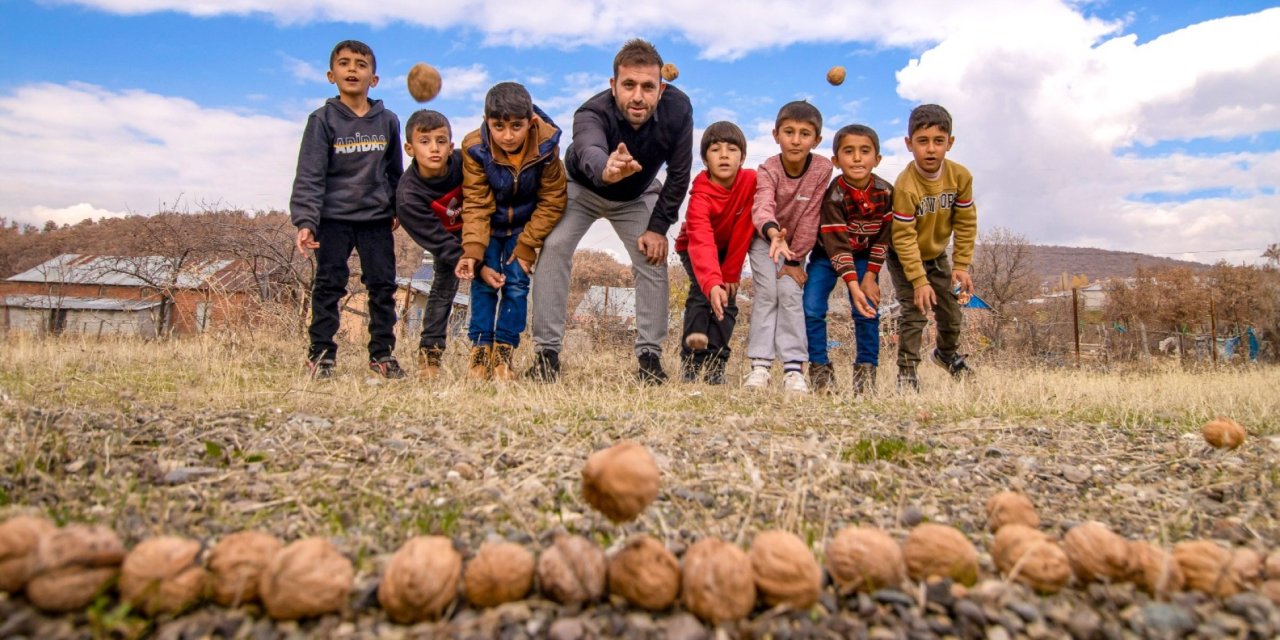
x,y
344,198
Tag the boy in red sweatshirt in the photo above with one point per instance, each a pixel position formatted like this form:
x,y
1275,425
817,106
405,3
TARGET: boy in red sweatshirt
x,y
712,246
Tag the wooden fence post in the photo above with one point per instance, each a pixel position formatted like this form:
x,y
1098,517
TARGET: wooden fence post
x,y
1213,330
1075,320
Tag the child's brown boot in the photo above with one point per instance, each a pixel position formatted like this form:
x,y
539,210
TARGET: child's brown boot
x,y
864,378
502,362
822,377
429,362
481,366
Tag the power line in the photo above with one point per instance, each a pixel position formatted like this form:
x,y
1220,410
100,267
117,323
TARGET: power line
x,y
1169,253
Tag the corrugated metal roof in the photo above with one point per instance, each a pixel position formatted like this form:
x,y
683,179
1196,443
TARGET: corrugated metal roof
x,y
139,271
84,304
424,287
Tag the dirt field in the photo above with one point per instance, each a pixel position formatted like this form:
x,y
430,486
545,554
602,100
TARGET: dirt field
x,y
209,436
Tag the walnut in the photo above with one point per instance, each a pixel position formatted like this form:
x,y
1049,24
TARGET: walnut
x,y
162,575
424,82
236,564
1154,571
1246,567
785,570
19,537
1030,557
620,481
835,75
1223,432
1008,507
670,72
306,578
74,565
938,550
717,581
1208,568
1097,554
645,573
1271,589
421,580
501,572
1272,566
572,570
865,559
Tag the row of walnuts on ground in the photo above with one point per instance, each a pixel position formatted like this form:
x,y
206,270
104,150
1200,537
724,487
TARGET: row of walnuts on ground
x,y
65,569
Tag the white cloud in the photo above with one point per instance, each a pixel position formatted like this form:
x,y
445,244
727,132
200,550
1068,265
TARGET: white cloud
x,y
40,214
1055,129
722,33
79,148
463,82
303,71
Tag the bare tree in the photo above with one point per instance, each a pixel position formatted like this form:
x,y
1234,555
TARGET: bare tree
x,y
1003,268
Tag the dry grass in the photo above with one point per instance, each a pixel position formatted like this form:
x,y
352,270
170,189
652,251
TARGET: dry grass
x,y
205,436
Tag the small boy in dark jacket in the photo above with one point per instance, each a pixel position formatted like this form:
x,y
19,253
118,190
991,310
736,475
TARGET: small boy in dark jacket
x,y
344,198
513,187
429,207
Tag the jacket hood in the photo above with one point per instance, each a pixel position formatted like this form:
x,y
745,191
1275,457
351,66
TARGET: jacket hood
x,y
375,108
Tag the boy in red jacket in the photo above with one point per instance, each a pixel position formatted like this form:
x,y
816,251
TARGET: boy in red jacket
x,y
712,246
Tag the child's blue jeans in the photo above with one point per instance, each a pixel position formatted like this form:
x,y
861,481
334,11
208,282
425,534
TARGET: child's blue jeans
x,y
817,291
494,320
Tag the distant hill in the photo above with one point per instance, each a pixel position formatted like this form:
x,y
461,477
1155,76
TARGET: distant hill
x,y
1052,261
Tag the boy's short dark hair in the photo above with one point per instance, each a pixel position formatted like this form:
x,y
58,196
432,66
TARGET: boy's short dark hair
x,y
508,101
800,111
636,53
354,46
855,130
426,120
723,131
929,115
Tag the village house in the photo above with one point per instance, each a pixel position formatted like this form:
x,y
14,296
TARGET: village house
x,y
144,296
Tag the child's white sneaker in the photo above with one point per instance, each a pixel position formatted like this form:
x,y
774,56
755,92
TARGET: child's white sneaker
x,y
793,382
757,379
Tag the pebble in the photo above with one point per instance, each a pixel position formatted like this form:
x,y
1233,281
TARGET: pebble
x,y
1162,621
1084,623
685,627
911,516
1076,475
890,596
1253,607
970,610
1026,611
566,629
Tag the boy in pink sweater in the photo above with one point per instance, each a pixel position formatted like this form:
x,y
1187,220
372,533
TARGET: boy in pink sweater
x,y
789,188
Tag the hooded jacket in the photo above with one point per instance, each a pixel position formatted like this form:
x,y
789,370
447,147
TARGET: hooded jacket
x,y
430,209
348,166
717,229
501,199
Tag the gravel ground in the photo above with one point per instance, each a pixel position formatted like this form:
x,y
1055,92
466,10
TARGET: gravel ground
x,y
369,482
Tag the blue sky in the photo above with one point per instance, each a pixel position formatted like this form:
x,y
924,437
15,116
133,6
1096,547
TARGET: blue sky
x,y
1143,126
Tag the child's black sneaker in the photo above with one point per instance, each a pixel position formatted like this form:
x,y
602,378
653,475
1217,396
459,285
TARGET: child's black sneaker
x,y
650,371
321,368
546,366
907,380
955,365
387,367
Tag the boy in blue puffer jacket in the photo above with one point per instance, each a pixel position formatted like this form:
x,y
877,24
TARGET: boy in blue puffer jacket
x,y
513,193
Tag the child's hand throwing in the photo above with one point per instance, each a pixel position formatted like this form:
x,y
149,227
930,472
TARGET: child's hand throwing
x,y
778,249
719,299
871,288
861,303
306,241
525,265
466,269
796,272
492,278
961,277
925,299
